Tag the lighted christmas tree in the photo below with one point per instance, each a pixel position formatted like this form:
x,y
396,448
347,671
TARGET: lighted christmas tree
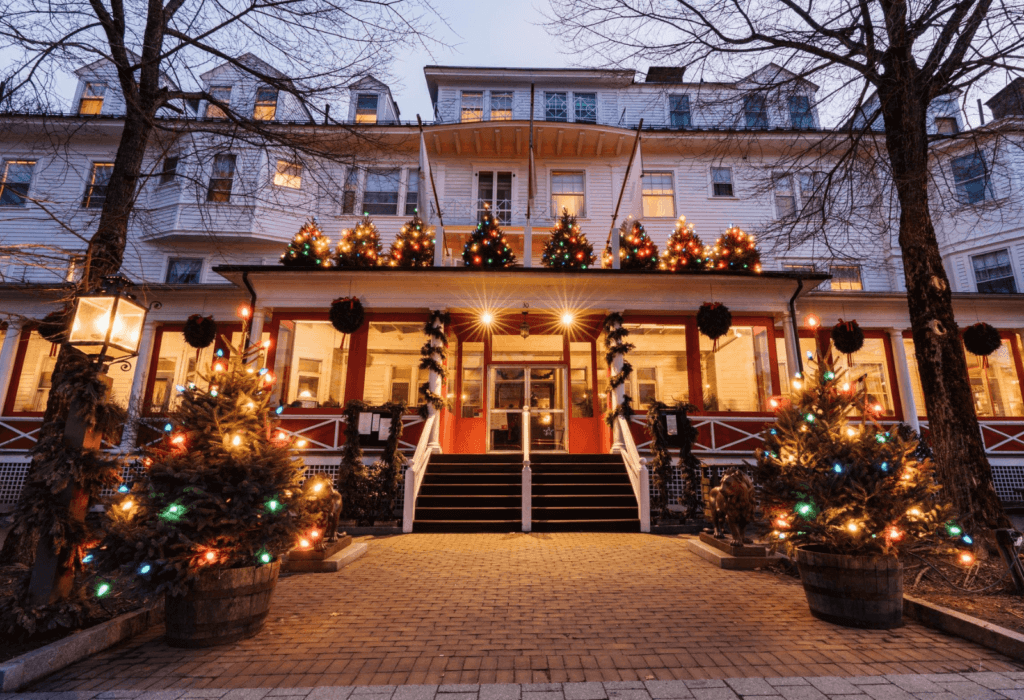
x,y
568,247
221,491
636,249
309,248
413,246
487,246
684,250
851,487
735,250
359,247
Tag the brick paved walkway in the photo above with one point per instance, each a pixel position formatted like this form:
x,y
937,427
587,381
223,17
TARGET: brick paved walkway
x,y
422,609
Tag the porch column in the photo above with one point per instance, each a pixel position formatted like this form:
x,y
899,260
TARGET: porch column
x,y
434,387
618,394
439,246
792,353
130,435
7,353
906,389
259,317
528,244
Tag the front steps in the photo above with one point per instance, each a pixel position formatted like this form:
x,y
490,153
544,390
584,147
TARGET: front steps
x,y
483,493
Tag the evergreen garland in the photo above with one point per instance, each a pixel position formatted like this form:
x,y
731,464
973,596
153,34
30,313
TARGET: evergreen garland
x,y
568,247
487,247
352,475
690,467
370,493
735,251
684,250
636,249
616,346
359,247
662,468
309,248
437,344
413,246
387,473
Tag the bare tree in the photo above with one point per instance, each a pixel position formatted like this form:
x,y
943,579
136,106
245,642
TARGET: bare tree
x,y
881,63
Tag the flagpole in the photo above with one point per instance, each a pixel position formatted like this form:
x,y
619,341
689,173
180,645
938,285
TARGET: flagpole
x,y
528,229
440,244
613,235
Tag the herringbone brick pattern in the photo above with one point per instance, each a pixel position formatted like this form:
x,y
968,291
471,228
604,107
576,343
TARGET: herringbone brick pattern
x,y
516,608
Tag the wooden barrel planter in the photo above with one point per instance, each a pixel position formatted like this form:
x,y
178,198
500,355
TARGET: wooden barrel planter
x,y
855,591
221,606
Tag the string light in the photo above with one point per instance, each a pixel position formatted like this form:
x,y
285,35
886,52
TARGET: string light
x,y
145,569
102,590
210,556
273,505
236,440
852,526
127,505
264,557
487,318
812,321
966,558
829,375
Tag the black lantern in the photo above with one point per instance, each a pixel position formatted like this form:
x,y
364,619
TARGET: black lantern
x,y
107,323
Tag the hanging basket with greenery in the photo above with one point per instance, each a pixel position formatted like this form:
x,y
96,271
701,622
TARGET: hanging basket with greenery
x,y
347,314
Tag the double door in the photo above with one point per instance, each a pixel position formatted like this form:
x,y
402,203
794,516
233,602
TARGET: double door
x,y
542,391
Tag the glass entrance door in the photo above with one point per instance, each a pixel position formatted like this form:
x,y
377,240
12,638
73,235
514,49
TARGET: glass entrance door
x,y
543,391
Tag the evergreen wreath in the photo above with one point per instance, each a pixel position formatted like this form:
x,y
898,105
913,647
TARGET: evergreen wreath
x,y
616,345
433,356
200,331
714,320
347,314
847,337
982,339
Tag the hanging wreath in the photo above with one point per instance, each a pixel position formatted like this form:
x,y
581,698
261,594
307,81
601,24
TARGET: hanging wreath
x,y
982,339
54,326
347,314
847,337
200,331
714,319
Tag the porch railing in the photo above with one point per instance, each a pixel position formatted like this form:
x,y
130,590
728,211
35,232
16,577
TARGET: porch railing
x,y
639,476
414,473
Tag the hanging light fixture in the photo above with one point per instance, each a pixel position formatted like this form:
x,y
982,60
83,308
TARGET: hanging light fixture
x,y
107,323
524,327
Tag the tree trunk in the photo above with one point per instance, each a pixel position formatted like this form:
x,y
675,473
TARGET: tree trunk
x,y
955,435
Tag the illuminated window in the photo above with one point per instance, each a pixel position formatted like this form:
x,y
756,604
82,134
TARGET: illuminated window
x,y
472,379
311,365
808,352
92,98
472,107
721,182
96,191
785,198
17,179
221,178
501,106
870,367
568,192
556,107
995,384
846,278
679,110
36,374
737,377
366,108
179,364
659,196
660,369
218,94
265,108
288,175
584,105
380,195
393,363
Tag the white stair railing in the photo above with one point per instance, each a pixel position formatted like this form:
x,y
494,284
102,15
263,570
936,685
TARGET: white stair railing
x,y
415,471
636,467
527,512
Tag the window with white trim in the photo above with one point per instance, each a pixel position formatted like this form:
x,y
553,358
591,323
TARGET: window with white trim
x,y
755,111
92,98
169,170
946,126
222,177
993,272
96,190
16,181
494,194
288,175
556,107
501,106
679,110
584,106
472,106
222,94
846,278
800,116
184,271
380,195
568,191
265,108
659,195
366,108
971,178
348,195
721,182
811,190
785,197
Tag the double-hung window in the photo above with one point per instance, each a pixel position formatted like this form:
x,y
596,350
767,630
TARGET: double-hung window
x,y
812,187
17,178
222,177
221,94
288,175
785,198
92,98
412,193
556,107
846,278
472,106
568,191
501,106
494,194
994,273
971,178
659,200
266,104
366,108
380,196
96,190
800,116
584,106
755,111
721,182
679,110
184,270
169,170
348,195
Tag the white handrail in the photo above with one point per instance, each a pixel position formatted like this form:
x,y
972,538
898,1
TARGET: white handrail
x,y
636,467
527,474
414,473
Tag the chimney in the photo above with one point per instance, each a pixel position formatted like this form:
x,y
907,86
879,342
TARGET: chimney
x,y
665,74
1008,102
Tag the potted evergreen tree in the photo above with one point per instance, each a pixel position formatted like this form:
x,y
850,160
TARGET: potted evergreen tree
x,y
846,497
214,508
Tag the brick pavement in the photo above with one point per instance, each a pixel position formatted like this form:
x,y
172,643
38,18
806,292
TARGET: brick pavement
x,y
537,608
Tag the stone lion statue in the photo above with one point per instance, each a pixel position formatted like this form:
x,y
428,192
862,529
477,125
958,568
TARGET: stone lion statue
x,y
732,502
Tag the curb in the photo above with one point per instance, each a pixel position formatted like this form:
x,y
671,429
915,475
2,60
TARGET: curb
x,y
956,623
18,672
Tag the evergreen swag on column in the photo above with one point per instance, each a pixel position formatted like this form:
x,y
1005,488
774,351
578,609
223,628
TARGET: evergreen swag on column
x,y
359,247
434,329
684,250
615,344
636,249
309,248
413,246
487,246
568,247
662,469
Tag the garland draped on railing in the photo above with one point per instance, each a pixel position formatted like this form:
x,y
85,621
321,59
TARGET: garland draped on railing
x,y
434,354
616,346
661,463
370,493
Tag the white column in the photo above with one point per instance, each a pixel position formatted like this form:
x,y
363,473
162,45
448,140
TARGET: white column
x,y
259,316
130,435
434,386
527,508
618,394
792,352
528,244
439,246
906,389
616,260
7,353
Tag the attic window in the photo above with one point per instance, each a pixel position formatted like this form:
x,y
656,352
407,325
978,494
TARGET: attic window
x,y
222,94
946,126
266,104
92,98
366,109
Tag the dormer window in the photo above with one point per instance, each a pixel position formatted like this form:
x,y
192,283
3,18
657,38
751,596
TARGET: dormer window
x,y
679,110
366,108
556,108
755,111
222,94
92,98
946,126
472,106
800,116
501,106
585,107
266,104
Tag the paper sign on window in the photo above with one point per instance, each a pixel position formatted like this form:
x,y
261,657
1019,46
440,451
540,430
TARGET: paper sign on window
x,y
365,423
384,430
671,425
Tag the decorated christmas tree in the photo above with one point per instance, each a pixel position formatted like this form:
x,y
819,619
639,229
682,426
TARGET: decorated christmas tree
x,y
735,250
684,250
568,247
222,491
359,247
849,487
487,246
636,249
413,246
309,248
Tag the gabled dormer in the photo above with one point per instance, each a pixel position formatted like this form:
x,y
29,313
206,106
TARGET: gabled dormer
x,y
250,89
773,97
371,102
944,115
98,92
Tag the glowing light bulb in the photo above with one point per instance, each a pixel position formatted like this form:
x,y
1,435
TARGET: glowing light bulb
x,y
915,512
850,432
304,543
265,558
846,386
314,534
567,319
102,590
178,439
210,556
812,321
127,505
145,569
236,440
894,534
966,558
301,443
486,318
244,311
852,526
